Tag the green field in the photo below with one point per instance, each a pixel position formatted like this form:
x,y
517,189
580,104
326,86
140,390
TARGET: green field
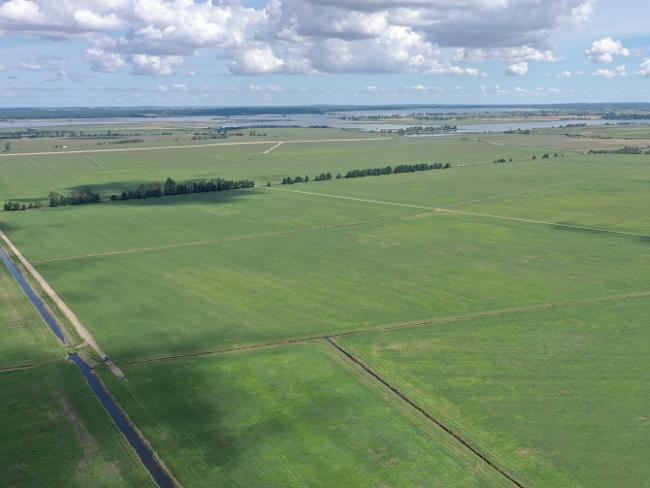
x,y
559,396
54,432
321,425
509,301
25,337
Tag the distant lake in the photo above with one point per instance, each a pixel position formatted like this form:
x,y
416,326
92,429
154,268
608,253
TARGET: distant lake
x,y
306,120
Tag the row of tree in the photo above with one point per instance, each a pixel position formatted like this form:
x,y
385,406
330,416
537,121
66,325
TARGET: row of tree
x,y
14,206
81,197
170,188
402,168
288,180
623,150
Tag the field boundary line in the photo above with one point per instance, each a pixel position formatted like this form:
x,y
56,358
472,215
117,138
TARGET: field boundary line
x,y
193,146
118,252
261,345
81,330
451,211
458,437
397,326
19,367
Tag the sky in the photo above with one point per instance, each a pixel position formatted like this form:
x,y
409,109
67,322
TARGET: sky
x,y
298,52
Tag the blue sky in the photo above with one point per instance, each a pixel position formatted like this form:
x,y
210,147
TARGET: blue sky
x,y
273,52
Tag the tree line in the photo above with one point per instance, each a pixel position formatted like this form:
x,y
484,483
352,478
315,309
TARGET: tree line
x,y
81,197
170,188
15,206
145,190
359,173
402,168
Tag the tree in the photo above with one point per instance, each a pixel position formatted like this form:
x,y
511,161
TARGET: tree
x,y
170,187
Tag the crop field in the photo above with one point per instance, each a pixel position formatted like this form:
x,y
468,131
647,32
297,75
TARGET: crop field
x,y
300,415
54,432
25,338
482,325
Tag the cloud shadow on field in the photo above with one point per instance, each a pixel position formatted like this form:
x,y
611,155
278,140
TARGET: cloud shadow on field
x,y
116,188
190,407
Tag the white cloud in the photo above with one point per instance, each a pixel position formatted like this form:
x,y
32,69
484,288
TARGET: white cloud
x,y
644,69
29,66
21,12
620,70
518,69
103,61
604,50
255,61
512,54
144,64
453,71
570,74
88,20
301,36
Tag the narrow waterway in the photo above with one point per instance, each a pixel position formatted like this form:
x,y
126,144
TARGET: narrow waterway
x,y
47,316
112,408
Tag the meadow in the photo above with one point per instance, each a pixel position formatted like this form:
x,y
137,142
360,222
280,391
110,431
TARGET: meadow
x,y
300,416
54,431
509,301
557,396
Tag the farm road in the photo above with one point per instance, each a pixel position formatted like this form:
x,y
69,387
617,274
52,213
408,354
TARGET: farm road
x,y
194,146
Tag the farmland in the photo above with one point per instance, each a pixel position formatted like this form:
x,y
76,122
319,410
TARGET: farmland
x,y
54,432
508,302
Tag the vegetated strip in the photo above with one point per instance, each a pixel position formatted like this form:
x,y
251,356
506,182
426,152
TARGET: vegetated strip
x,y
403,325
147,456
470,214
81,330
181,245
193,146
20,367
426,414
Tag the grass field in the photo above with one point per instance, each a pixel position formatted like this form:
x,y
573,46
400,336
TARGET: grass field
x,y
25,337
54,431
322,425
559,397
510,301
32,177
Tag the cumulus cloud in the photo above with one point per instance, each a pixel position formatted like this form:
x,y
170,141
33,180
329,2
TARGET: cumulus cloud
x,y
301,36
518,69
511,54
604,50
144,64
103,61
570,74
254,61
644,69
620,70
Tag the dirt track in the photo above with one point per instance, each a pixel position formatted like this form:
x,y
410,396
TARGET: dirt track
x,y
470,214
81,330
194,146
